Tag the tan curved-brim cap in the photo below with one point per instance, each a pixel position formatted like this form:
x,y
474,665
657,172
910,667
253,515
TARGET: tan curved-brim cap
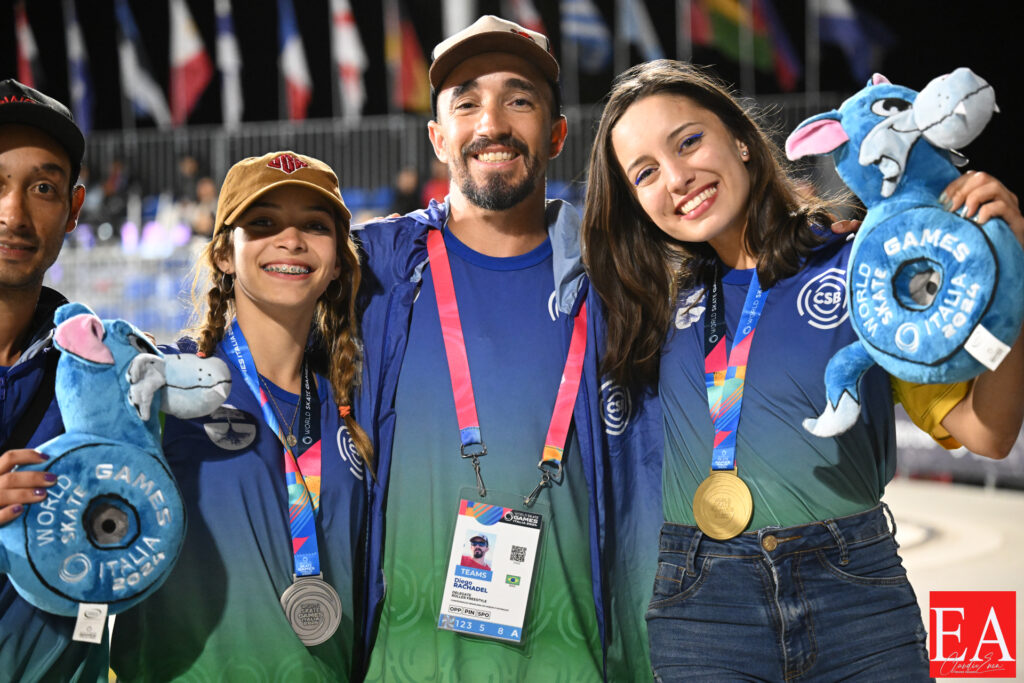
x,y
253,177
492,34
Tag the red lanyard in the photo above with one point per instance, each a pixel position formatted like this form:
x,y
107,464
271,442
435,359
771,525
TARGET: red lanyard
x,y
462,385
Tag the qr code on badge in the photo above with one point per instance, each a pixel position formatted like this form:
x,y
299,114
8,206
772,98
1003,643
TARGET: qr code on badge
x,y
518,553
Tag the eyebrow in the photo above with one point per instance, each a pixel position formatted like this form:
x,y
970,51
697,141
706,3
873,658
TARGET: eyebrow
x,y
668,138
509,84
48,167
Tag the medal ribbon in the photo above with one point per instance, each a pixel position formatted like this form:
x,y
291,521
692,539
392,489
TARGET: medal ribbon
x,y
303,491
458,364
724,376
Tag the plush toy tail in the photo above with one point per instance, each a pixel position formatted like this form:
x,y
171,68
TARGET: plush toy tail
x,y
842,382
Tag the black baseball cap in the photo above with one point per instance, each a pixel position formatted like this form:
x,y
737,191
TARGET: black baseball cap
x,y
27,106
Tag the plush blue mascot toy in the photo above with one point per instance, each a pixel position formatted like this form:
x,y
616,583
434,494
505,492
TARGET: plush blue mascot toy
x,y
110,529
933,296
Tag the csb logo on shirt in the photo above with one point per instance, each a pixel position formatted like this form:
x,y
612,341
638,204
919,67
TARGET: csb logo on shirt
x,y
822,299
972,634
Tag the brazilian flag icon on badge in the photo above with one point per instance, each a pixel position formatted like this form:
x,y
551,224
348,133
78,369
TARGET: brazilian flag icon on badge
x,y
511,579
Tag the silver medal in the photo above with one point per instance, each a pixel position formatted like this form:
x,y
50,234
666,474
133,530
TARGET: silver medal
x,y
313,609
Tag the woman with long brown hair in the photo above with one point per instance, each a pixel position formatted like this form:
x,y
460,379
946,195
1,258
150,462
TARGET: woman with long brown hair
x,y
776,557
268,584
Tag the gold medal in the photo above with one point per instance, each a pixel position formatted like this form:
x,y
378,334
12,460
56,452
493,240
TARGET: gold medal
x,y
722,505
291,440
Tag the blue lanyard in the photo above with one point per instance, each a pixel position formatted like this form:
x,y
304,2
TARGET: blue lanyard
x,y
301,512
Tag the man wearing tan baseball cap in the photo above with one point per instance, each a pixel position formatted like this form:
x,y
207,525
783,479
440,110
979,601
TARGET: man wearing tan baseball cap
x,y
503,262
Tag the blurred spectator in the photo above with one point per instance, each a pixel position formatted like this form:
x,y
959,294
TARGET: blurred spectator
x,y
436,186
407,191
201,212
187,178
115,190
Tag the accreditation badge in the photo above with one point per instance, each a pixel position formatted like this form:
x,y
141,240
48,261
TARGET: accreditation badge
x,y
491,566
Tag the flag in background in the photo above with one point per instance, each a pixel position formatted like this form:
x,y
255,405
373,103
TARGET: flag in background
x,y
640,31
191,68
79,80
582,24
298,84
525,14
788,68
861,38
410,86
29,70
137,82
229,63
717,24
349,59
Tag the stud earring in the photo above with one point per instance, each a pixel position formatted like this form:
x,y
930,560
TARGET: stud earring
x,y
745,152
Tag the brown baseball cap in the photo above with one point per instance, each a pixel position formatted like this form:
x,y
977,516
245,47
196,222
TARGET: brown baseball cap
x,y
251,178
492,34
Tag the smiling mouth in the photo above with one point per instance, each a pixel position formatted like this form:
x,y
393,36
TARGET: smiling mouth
x,y
698,199
292,269
496,157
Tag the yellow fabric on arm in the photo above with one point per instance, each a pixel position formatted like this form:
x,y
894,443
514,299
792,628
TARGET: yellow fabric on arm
x,y
928,404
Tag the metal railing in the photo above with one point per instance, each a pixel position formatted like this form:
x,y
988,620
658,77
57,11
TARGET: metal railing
x,y
365,154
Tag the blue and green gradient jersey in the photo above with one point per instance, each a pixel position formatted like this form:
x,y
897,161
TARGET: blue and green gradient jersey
x,y
516,356
794,476
218,617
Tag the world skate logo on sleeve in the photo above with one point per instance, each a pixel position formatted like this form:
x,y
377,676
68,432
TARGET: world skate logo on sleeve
x,y
972,634
822,300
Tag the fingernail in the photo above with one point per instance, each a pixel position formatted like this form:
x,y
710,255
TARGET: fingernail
x,y
943,199
16,509
44,456
39,492
50,476
963,211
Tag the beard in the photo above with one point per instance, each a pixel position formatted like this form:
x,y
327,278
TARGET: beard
x,y
497,192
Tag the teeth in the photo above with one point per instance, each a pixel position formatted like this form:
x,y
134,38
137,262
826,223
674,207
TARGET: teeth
x,y
491,157
289,270
696,201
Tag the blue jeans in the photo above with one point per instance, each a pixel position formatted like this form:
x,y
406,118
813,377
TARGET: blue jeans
x,y
823,601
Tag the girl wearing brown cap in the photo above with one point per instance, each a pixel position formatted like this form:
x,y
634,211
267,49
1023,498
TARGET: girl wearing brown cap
x,y
265,587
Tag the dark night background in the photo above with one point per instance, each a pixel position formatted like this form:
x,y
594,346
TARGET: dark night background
x,y
929,39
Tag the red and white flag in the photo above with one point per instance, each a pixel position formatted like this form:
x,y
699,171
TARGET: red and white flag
x,y
298,84
524,13
29,71
191,68
349,59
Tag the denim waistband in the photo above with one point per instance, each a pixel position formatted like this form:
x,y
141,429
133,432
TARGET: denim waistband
x,y
778,541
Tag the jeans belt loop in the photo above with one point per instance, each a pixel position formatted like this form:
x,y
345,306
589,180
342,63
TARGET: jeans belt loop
x,y
691,554
892,521
844,555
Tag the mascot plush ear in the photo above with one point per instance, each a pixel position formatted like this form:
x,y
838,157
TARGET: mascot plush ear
x,y
109,531
934,297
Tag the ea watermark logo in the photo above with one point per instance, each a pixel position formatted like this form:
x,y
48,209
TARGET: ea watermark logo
x,y
822,300
616,408
349,453
972,634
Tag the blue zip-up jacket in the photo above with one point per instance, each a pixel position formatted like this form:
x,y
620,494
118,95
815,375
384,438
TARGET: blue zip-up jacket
x,y
36,645
619,435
